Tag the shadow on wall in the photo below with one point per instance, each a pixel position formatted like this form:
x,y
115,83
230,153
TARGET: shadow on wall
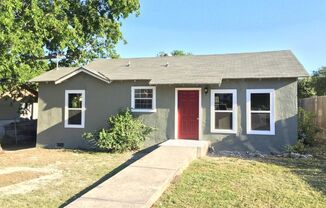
x,y
261,143
57,136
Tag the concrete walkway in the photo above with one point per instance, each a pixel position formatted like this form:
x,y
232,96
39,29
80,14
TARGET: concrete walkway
x,y
142,183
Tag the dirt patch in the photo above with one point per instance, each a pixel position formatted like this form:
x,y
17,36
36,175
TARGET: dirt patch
x,y
18,177
33,157
20,180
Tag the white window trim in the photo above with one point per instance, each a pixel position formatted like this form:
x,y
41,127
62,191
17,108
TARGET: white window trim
x,y
271,111
234,111
133,99
67,125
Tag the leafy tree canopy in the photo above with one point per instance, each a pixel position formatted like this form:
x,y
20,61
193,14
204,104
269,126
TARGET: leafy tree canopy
x,y
319,81
32,31
306,88
174,53
314,85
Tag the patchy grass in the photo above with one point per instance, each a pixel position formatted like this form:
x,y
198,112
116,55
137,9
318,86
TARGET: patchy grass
x,y
78,170
17,177
241,182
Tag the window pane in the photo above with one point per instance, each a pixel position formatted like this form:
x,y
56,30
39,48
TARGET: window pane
x,y
260,101
223,120
75,100
143,93
260,121
223,101
143,103
74,117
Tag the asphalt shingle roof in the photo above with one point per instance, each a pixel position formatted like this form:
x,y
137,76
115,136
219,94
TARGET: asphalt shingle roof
x,y
198,69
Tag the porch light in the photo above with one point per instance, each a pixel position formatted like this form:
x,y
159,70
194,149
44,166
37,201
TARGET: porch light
x,y
206,90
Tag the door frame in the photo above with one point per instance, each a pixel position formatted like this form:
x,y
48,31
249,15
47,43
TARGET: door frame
x,y
177,89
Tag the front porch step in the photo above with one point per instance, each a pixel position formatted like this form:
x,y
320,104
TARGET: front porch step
x,y
200,145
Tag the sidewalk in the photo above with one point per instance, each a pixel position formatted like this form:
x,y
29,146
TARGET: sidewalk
x,y
142,183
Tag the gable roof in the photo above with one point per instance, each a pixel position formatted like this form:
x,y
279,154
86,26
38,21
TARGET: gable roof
x,y
61,74
200,69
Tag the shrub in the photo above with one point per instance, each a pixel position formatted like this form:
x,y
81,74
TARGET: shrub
x,y
298,147
307,128
124,133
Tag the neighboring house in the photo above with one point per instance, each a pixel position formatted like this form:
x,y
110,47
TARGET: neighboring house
x,y
16,110
245,101
22,107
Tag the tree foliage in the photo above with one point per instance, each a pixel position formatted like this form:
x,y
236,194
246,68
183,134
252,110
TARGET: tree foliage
x,y
319,81
314,85
180,53
33,30
174,53
306,88
307,128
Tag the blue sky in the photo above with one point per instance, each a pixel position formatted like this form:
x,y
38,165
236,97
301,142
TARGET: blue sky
x,y
216,26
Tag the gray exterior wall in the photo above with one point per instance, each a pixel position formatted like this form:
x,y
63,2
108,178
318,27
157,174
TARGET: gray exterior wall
x,y
103,100
9,109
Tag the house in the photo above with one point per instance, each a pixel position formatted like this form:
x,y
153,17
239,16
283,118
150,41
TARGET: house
x,y
17,108
243,101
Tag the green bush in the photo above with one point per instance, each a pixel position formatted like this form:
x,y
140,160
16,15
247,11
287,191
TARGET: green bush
x,y
298,147
124,133
307,128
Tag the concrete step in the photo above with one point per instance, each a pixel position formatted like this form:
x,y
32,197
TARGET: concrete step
x,y
201,146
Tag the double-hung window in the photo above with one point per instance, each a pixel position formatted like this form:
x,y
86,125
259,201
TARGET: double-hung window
x,y
260,111
143,99
224,111
74,108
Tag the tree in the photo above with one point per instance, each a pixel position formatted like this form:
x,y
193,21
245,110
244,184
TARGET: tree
x,y
33,31
162,54
180,53
319,81
314,85
306,88
174,53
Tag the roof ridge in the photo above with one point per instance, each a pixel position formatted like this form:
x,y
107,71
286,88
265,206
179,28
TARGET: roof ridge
x,y
194,55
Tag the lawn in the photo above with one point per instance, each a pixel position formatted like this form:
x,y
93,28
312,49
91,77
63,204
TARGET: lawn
x,y
250,182
48,178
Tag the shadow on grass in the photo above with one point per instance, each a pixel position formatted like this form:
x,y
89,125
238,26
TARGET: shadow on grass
x,y
136,156
311,170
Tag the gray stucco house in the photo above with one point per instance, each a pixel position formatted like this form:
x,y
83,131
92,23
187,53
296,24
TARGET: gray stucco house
x,y
244,101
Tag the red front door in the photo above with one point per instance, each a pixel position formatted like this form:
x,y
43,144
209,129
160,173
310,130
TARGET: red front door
x,y
188,114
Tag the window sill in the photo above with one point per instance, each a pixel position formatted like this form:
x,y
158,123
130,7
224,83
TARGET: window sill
x,y
270,133
143,110
223,131
74,126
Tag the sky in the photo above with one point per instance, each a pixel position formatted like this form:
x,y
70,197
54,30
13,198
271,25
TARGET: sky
x,y
228,26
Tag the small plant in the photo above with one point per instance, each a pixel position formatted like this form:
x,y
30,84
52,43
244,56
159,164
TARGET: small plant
x,y
298,147
307,128
124,133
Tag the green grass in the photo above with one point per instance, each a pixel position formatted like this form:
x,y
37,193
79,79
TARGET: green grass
x,y
237,182
79,171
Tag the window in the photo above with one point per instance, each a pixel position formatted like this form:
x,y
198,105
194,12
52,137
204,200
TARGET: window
x,y
143,99
223,111
74,108
260,112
